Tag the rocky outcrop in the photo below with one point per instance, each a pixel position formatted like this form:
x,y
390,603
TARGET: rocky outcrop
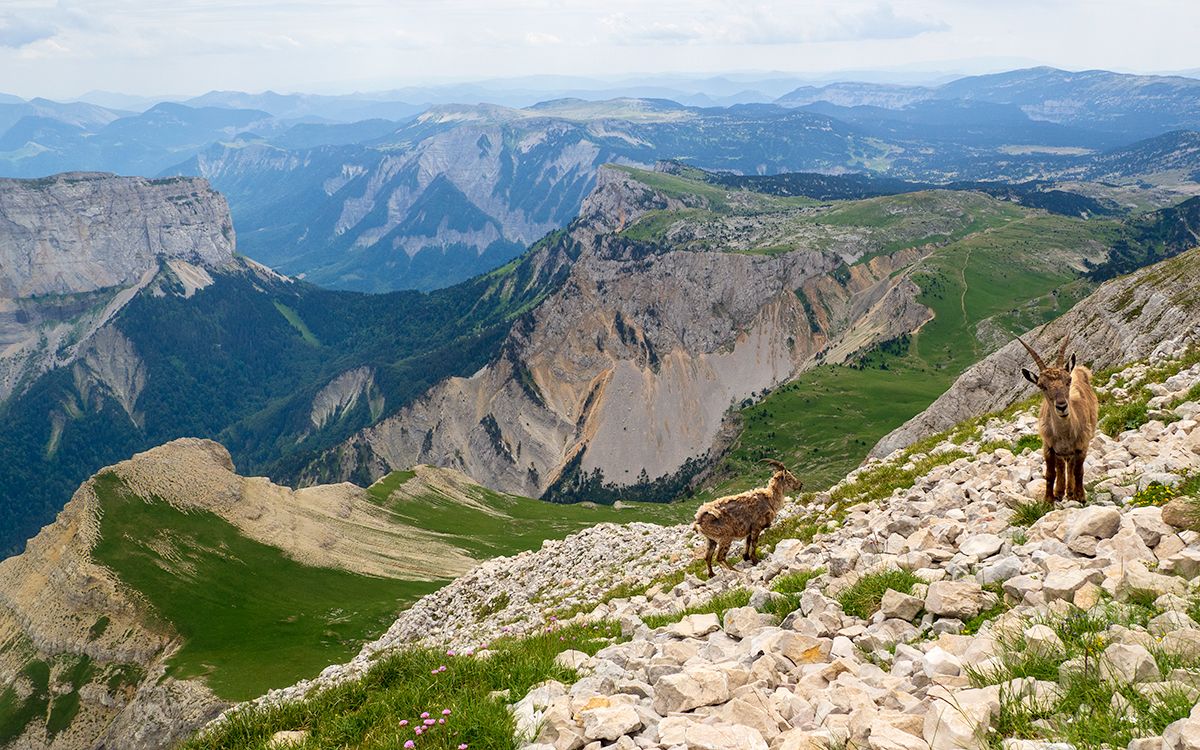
x,y
343,393
626,373
59,236
1126,319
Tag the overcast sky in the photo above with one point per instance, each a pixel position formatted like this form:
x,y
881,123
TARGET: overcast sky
x,y
62,48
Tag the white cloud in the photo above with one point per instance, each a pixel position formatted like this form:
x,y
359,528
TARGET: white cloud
x,y
773,23
17,32
541,39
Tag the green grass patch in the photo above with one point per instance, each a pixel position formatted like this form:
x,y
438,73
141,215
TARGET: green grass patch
x,y
804,527
1116,418
1028,513
381,491
795,583
790,586
119,677
717,605
1027,442
366,714
295,321
863,597
63,711
251,617
98,627
882,480
972,625
16,713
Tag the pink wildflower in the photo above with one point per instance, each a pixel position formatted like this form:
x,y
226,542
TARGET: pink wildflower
x,y
463,746
404,722
450,652
445,712
410,744
442,668
441,721
424,714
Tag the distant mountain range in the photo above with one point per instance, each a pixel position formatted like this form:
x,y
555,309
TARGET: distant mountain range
x,y
1132,106
373,192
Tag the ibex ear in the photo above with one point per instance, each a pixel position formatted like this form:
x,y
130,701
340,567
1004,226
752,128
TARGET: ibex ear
x,y
1029,376
1071,363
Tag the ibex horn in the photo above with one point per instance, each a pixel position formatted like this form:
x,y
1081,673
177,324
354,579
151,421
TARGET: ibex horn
x,y
1062,351
1036,358
777,464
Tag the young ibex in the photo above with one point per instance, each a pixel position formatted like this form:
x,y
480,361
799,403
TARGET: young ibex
x,y
743,516
1067,421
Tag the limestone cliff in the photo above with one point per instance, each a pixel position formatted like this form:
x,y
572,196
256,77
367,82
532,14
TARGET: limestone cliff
x,y
76,247
1125,320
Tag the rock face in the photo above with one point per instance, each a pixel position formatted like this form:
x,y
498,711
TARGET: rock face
x,y
633,363
1126,319
60,237
75,247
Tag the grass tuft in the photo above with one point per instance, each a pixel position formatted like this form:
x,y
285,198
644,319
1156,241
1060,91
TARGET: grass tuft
x,y
717,605
789,586
863,597
1028,513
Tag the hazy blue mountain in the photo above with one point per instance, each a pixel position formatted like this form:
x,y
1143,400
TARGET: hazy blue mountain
x,y
84,137
1132,106
345,108
1177,151
969,123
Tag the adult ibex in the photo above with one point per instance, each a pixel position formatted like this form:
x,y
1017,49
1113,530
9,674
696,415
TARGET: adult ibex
x,y
1067,422
744,515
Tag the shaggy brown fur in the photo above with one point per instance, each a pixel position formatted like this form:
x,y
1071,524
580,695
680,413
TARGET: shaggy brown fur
x,y
743,516
1067,422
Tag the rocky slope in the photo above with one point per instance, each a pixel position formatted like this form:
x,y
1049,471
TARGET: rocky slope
x,y
989,624
1125,319
624,375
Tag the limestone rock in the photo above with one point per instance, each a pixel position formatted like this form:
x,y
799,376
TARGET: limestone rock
x,y
900,606
609,723
692,688
958,599
1129,663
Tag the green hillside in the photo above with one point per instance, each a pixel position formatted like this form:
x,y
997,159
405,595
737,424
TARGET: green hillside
x,y
487,524
251,618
